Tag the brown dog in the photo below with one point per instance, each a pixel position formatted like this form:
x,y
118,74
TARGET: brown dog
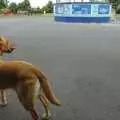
x,y
6,46
28,82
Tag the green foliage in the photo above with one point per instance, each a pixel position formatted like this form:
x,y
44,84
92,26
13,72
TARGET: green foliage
x,y
25,5
2,4
118,9
48,8
115,5
13,7
38,10
21,6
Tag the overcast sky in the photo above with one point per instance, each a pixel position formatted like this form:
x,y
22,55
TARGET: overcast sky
x,y
34,3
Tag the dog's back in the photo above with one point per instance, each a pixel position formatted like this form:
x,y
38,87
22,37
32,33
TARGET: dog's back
x,y
15,72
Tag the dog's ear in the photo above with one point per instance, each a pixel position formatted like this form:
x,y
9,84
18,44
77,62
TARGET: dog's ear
x,y
2,38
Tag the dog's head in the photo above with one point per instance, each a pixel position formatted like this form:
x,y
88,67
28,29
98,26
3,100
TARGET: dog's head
x,y
6,46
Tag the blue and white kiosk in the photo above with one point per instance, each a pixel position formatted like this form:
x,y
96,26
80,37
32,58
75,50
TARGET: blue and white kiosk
x,y
84,11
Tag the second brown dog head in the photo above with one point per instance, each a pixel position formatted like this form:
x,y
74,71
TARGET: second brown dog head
x,y
6,46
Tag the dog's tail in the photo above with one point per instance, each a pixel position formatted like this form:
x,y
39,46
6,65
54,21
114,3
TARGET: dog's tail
x,y
47,88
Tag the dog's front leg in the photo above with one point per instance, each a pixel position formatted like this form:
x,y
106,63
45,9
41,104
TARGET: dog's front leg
x,y
3,98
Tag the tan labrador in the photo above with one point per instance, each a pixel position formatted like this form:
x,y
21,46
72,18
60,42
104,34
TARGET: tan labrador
x,y
29,84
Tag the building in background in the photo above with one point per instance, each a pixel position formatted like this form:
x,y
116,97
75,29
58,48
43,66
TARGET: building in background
x,y
84,11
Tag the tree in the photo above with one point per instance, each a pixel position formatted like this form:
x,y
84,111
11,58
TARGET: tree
x,y
48,7
25,5
38,9
3,4
115,5
13,7
20,6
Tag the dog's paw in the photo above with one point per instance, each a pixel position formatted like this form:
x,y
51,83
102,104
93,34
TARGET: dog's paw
x,y
3,104
47,117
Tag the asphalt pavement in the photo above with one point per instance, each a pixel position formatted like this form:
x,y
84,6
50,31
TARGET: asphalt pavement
x,y
81,60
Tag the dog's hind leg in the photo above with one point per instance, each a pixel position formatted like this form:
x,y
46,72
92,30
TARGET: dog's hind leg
x,y
45,103
33,113
27,92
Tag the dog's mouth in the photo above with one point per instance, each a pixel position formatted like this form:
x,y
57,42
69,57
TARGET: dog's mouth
x,y
10,50
7,48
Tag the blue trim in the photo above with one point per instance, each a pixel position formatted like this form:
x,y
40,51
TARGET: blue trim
x,y
83,19
83,3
